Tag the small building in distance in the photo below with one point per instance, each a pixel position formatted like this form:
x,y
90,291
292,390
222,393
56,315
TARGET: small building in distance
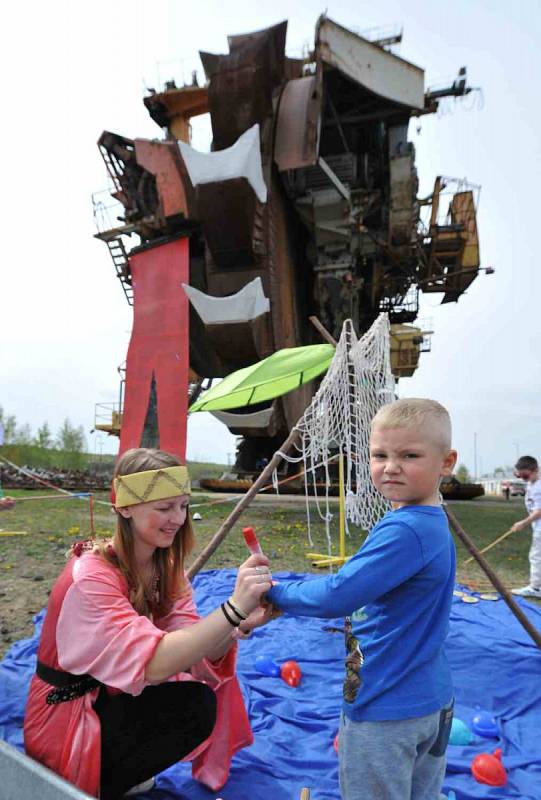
x,y
497,486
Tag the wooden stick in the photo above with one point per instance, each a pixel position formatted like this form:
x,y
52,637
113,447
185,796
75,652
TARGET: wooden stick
x,y
496,582
245,501
323,331
492,544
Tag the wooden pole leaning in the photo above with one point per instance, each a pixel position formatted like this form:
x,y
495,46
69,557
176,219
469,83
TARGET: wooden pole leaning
x,y
322,330
492,544
494,579
245,501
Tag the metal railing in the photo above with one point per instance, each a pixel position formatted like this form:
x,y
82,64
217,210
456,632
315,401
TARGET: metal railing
x,y
107,415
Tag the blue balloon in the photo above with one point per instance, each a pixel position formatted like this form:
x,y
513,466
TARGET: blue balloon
x,y
267,666
460,733
484,724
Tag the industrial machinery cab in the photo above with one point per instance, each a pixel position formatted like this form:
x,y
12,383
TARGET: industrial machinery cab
x,y
306,205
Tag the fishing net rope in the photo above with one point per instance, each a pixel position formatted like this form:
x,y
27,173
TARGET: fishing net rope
x,y
358,382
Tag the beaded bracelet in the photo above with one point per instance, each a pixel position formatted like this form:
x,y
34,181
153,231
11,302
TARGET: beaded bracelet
x,y
228,618
240,614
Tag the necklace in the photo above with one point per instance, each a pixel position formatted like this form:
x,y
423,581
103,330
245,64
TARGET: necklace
x,y
152,584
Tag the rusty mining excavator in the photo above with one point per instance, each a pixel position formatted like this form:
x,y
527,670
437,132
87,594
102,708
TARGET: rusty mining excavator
x,y
306,205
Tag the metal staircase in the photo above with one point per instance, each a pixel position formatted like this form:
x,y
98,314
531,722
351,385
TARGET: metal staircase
x,y
106,217
119,256
115,169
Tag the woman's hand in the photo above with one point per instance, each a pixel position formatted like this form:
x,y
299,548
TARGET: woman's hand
x,y
253,580
260,616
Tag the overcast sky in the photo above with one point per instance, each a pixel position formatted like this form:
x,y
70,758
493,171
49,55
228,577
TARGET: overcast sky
x,y
71,70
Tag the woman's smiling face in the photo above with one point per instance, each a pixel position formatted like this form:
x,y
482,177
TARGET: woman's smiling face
x,y
156,523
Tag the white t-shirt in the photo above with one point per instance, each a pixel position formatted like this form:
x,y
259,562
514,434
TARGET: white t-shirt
x,y
532,501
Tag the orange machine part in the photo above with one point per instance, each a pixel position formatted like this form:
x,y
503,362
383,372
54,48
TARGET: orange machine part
x,y
164,161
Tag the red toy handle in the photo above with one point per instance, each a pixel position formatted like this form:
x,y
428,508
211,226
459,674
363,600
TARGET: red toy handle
x,y
251,541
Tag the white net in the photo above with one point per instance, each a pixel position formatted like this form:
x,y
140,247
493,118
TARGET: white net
x,y
358,382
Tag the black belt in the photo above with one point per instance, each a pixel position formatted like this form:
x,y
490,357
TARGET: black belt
x,y
67,686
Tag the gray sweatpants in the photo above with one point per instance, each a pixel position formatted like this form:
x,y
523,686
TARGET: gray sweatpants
x,y
535,560
392,759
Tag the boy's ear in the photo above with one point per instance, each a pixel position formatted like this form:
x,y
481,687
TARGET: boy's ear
x,y
449,463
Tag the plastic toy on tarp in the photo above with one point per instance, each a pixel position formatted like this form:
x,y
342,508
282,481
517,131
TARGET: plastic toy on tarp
x,y
460,733
488,768
484,724
251,540
291,673
267,666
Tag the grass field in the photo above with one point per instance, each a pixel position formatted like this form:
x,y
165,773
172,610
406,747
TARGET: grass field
x,y
29,563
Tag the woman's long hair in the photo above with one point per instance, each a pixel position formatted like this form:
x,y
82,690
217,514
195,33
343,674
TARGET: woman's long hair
x,y
171,582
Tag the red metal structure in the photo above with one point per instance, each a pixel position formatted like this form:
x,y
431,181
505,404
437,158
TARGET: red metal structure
x,y
320,216
156,400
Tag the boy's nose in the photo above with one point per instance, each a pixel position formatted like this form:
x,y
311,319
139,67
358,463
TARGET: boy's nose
x,y
391,466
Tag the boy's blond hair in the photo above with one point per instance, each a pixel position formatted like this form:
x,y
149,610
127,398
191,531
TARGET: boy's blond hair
x,y
419,413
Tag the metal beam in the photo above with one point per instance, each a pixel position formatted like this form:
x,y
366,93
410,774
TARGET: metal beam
x,y
344,191
25,779
377,114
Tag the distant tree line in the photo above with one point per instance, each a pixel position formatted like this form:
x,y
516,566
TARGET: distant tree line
x,y
68,438
65,450
463,475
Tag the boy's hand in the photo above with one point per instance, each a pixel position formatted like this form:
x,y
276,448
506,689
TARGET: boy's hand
x,y
260,616
273,611
520,525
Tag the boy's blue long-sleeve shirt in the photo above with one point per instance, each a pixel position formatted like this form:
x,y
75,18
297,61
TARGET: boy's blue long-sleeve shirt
x,y
397,589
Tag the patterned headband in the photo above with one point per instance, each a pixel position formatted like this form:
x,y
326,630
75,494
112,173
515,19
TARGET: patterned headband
x,y
153,484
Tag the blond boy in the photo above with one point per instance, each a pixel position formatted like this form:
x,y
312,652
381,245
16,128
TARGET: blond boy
x,y
396,594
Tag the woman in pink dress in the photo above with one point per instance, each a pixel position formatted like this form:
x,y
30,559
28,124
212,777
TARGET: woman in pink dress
x,y
129,679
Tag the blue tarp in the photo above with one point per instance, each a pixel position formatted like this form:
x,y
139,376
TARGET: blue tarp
x,y
495,664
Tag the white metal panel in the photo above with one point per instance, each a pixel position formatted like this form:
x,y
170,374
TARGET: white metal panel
x,y
247,304
379,71
257,419
241,160
25,779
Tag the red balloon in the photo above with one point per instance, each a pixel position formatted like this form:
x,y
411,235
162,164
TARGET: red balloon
x,y
487,768
291,673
